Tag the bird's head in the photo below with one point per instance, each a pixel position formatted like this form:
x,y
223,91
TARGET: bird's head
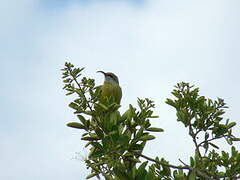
x,y
110,77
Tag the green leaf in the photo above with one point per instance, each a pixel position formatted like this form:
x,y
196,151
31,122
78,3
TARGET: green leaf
x,y
99,132
137,147
91,175
123,140
220,130
120,173
131,112
114,118
76,125
150,175
171,102
206,136
96,145
135,160
155,129
146,137
73,106
235,139
153,117
176,93
234,151
141,168
192,175
139,132
90,113
206,146
125,115
68,80
79,92
192,162
105,108
69,93
90,138
231,124
213,145
229,141
81,118
141,173
114,106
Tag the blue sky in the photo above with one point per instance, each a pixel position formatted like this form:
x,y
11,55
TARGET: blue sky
x,y
151,45
64,3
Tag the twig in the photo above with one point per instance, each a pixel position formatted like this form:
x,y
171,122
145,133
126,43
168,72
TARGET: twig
x,y
80,88
161,163
191,133
209,140
187,167
197,171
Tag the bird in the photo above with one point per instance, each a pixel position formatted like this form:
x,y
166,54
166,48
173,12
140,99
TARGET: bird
x,y
110,87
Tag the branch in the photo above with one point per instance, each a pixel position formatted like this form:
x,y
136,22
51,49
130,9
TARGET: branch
x,y
197,171
98,171
209,140
161,163
191,133
176,167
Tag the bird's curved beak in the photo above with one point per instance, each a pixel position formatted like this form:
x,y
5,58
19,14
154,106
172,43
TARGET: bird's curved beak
x,y
101,72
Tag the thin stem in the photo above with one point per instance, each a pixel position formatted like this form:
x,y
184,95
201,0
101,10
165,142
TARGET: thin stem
x,y
98,171
80,88
191,133
161,163
209,140
187,167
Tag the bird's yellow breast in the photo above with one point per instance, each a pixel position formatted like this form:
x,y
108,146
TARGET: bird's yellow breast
x,y
112,90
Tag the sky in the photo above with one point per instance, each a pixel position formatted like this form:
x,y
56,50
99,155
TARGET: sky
x,y
149,44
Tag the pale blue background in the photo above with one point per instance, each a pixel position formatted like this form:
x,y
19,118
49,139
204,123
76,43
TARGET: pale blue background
x,y
151,45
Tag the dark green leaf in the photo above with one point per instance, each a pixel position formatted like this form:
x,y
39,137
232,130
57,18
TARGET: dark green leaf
x,y
81,118
91,175
155,129
97,145
146,137
229,141
99,132
141,172
213,145
90,138
192,175
231,124
192,162
171,102
139,132
76,125
206,136
235,139
73,106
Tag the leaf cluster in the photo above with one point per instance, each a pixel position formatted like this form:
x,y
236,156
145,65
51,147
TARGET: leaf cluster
x,y
204,119
113,139
116,141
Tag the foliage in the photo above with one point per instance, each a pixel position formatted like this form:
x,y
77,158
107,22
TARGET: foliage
x,y
116,141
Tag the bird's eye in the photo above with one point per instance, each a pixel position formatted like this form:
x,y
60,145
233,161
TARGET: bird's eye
x,y
110,75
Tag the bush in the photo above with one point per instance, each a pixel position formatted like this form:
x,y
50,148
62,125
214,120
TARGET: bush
x,y
116,141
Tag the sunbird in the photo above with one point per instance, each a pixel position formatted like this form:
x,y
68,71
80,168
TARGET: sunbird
x,y
110,87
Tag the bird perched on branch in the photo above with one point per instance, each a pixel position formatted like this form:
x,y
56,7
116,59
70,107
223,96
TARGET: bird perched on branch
x,y
110,87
